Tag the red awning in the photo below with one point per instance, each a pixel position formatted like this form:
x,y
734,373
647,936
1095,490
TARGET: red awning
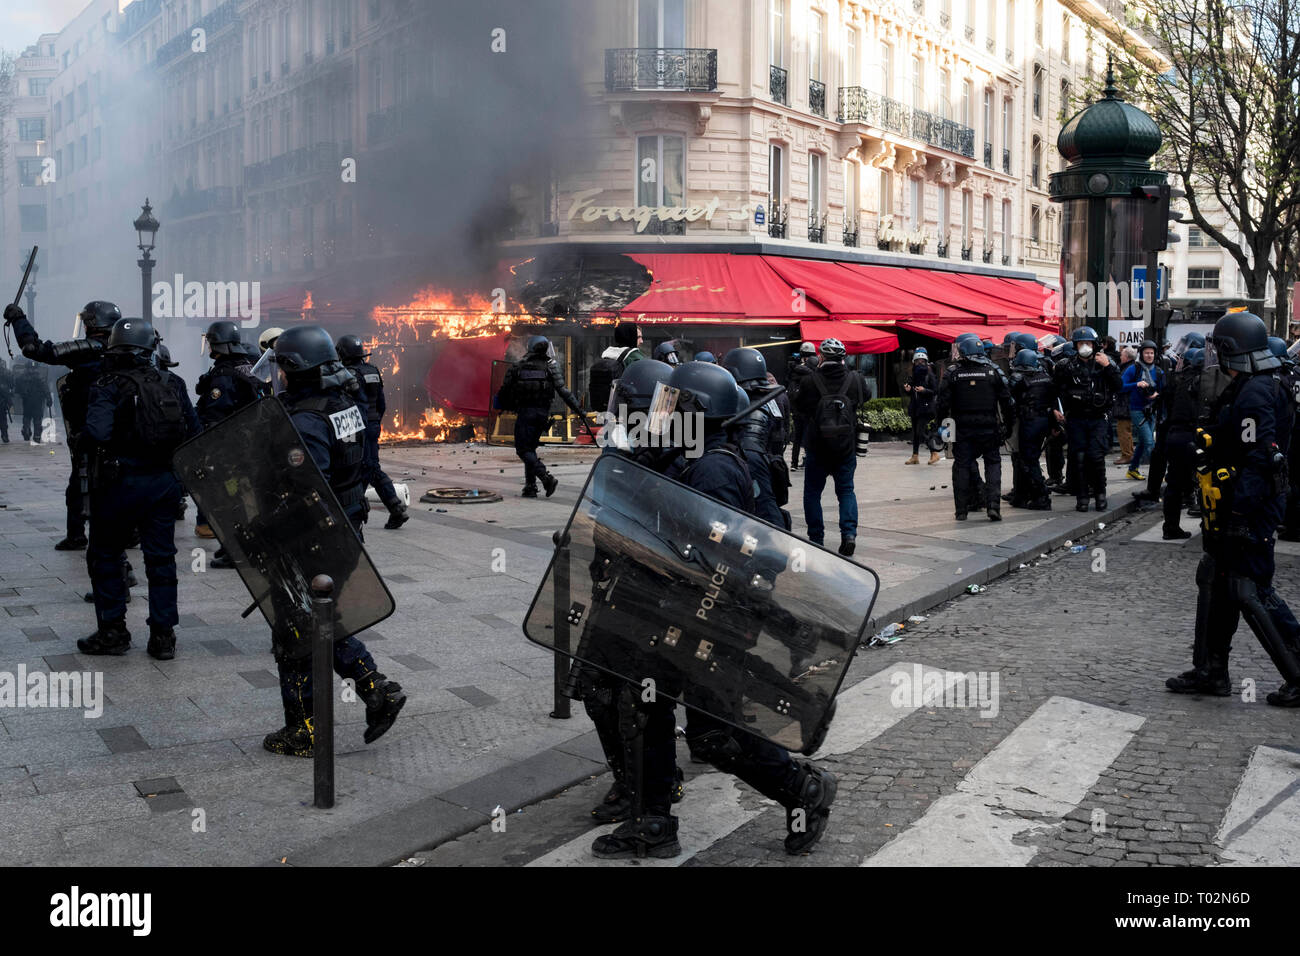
x,y
732,289
857,339
846,291
970,292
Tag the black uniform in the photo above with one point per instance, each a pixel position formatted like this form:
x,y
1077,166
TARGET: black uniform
x,y
797,378
534,382
972,392
6,400
83,358
134,488
32,389
1035,396
370,399
1184,413
1087,391
754,436
1235,577
225,388
340,458
920,403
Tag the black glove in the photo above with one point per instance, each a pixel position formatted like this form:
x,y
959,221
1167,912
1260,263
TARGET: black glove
x,y
14,313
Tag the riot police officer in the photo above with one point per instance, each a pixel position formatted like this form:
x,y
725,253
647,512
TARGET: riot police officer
x,y
623,435
1088,383
805,365
1185,412
222,390
972,393
82,357
754,436
804,789
33,390
137,415
1034,393
530,386
1019,495
1245,468
6,400
315,389
1290,373
667,352
370,396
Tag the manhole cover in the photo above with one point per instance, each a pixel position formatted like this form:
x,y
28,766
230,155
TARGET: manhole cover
x,y
459,496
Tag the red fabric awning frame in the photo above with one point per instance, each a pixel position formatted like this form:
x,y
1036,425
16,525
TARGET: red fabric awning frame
x,y
858,339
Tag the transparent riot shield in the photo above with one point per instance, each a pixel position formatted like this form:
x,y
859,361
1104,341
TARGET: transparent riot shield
x,y
274,513
687,598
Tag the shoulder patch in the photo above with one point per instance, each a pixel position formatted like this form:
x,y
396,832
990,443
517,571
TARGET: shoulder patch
x,y
347,423
215,393
773,409
372,378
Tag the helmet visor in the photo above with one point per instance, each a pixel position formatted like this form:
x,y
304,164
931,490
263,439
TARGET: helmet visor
x,y
266,370
1294,351
663,404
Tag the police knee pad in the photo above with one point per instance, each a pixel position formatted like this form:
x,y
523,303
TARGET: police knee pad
x,y
717,747
290,650
598,701
813,788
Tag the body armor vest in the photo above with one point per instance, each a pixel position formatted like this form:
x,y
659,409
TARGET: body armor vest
x,y
534,385
974,394
346,471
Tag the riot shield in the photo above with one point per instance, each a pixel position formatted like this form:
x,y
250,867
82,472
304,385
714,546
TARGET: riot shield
x,y
279,521
722,612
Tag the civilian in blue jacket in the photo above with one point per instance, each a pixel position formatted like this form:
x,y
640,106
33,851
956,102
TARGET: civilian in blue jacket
x,y
1143,382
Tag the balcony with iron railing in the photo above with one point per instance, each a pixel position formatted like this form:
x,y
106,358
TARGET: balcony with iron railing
x,y
778,85
778,220
988,155
646,68
859,105
850,238
817,97
220,18
817,227
307,161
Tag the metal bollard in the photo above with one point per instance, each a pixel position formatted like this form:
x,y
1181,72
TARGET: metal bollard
x,y
322,680
561,619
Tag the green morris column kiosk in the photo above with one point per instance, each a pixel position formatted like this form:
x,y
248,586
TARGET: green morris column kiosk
x,y
1106,192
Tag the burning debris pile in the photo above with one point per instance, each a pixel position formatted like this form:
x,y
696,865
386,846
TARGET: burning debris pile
x,y
407,341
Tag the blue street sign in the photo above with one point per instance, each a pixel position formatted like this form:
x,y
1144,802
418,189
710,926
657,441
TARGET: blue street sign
x,y
760,216
1139,282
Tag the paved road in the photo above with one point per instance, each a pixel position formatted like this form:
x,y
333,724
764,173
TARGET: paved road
x,y
172,771
1080,757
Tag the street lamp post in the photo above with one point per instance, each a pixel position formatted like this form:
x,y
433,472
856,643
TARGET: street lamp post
x,y
146,227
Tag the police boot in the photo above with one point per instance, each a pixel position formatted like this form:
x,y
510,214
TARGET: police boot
x,y
72,543
110,640
813,792
397,515
162,644
653,835
1040,504
291,740
995,514
384,700
550,483
1202,681
530,491
1100,502
1288,695
222,560
617,805
1080,504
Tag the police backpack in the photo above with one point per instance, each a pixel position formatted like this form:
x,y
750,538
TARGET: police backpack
x,y
158,421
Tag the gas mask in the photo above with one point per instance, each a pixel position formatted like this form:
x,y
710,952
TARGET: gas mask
x,y
1085,350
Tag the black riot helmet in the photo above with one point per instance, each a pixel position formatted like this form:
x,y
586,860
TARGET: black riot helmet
x,y
223,338
667,352
1277,346
1084,333
1194,358
304,347
98,318
1026,359
707,389
132,335
636,386
350,349
163,356
747,366
1240,342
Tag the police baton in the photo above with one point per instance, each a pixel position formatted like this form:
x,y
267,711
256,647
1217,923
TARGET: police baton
x,y
322,681
22,286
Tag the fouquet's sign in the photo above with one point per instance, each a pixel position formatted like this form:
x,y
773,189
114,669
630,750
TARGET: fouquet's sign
x,y
583,208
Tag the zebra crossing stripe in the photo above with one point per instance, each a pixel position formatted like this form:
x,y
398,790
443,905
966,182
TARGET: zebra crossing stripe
x,y
1259,825
1043,768
712,806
